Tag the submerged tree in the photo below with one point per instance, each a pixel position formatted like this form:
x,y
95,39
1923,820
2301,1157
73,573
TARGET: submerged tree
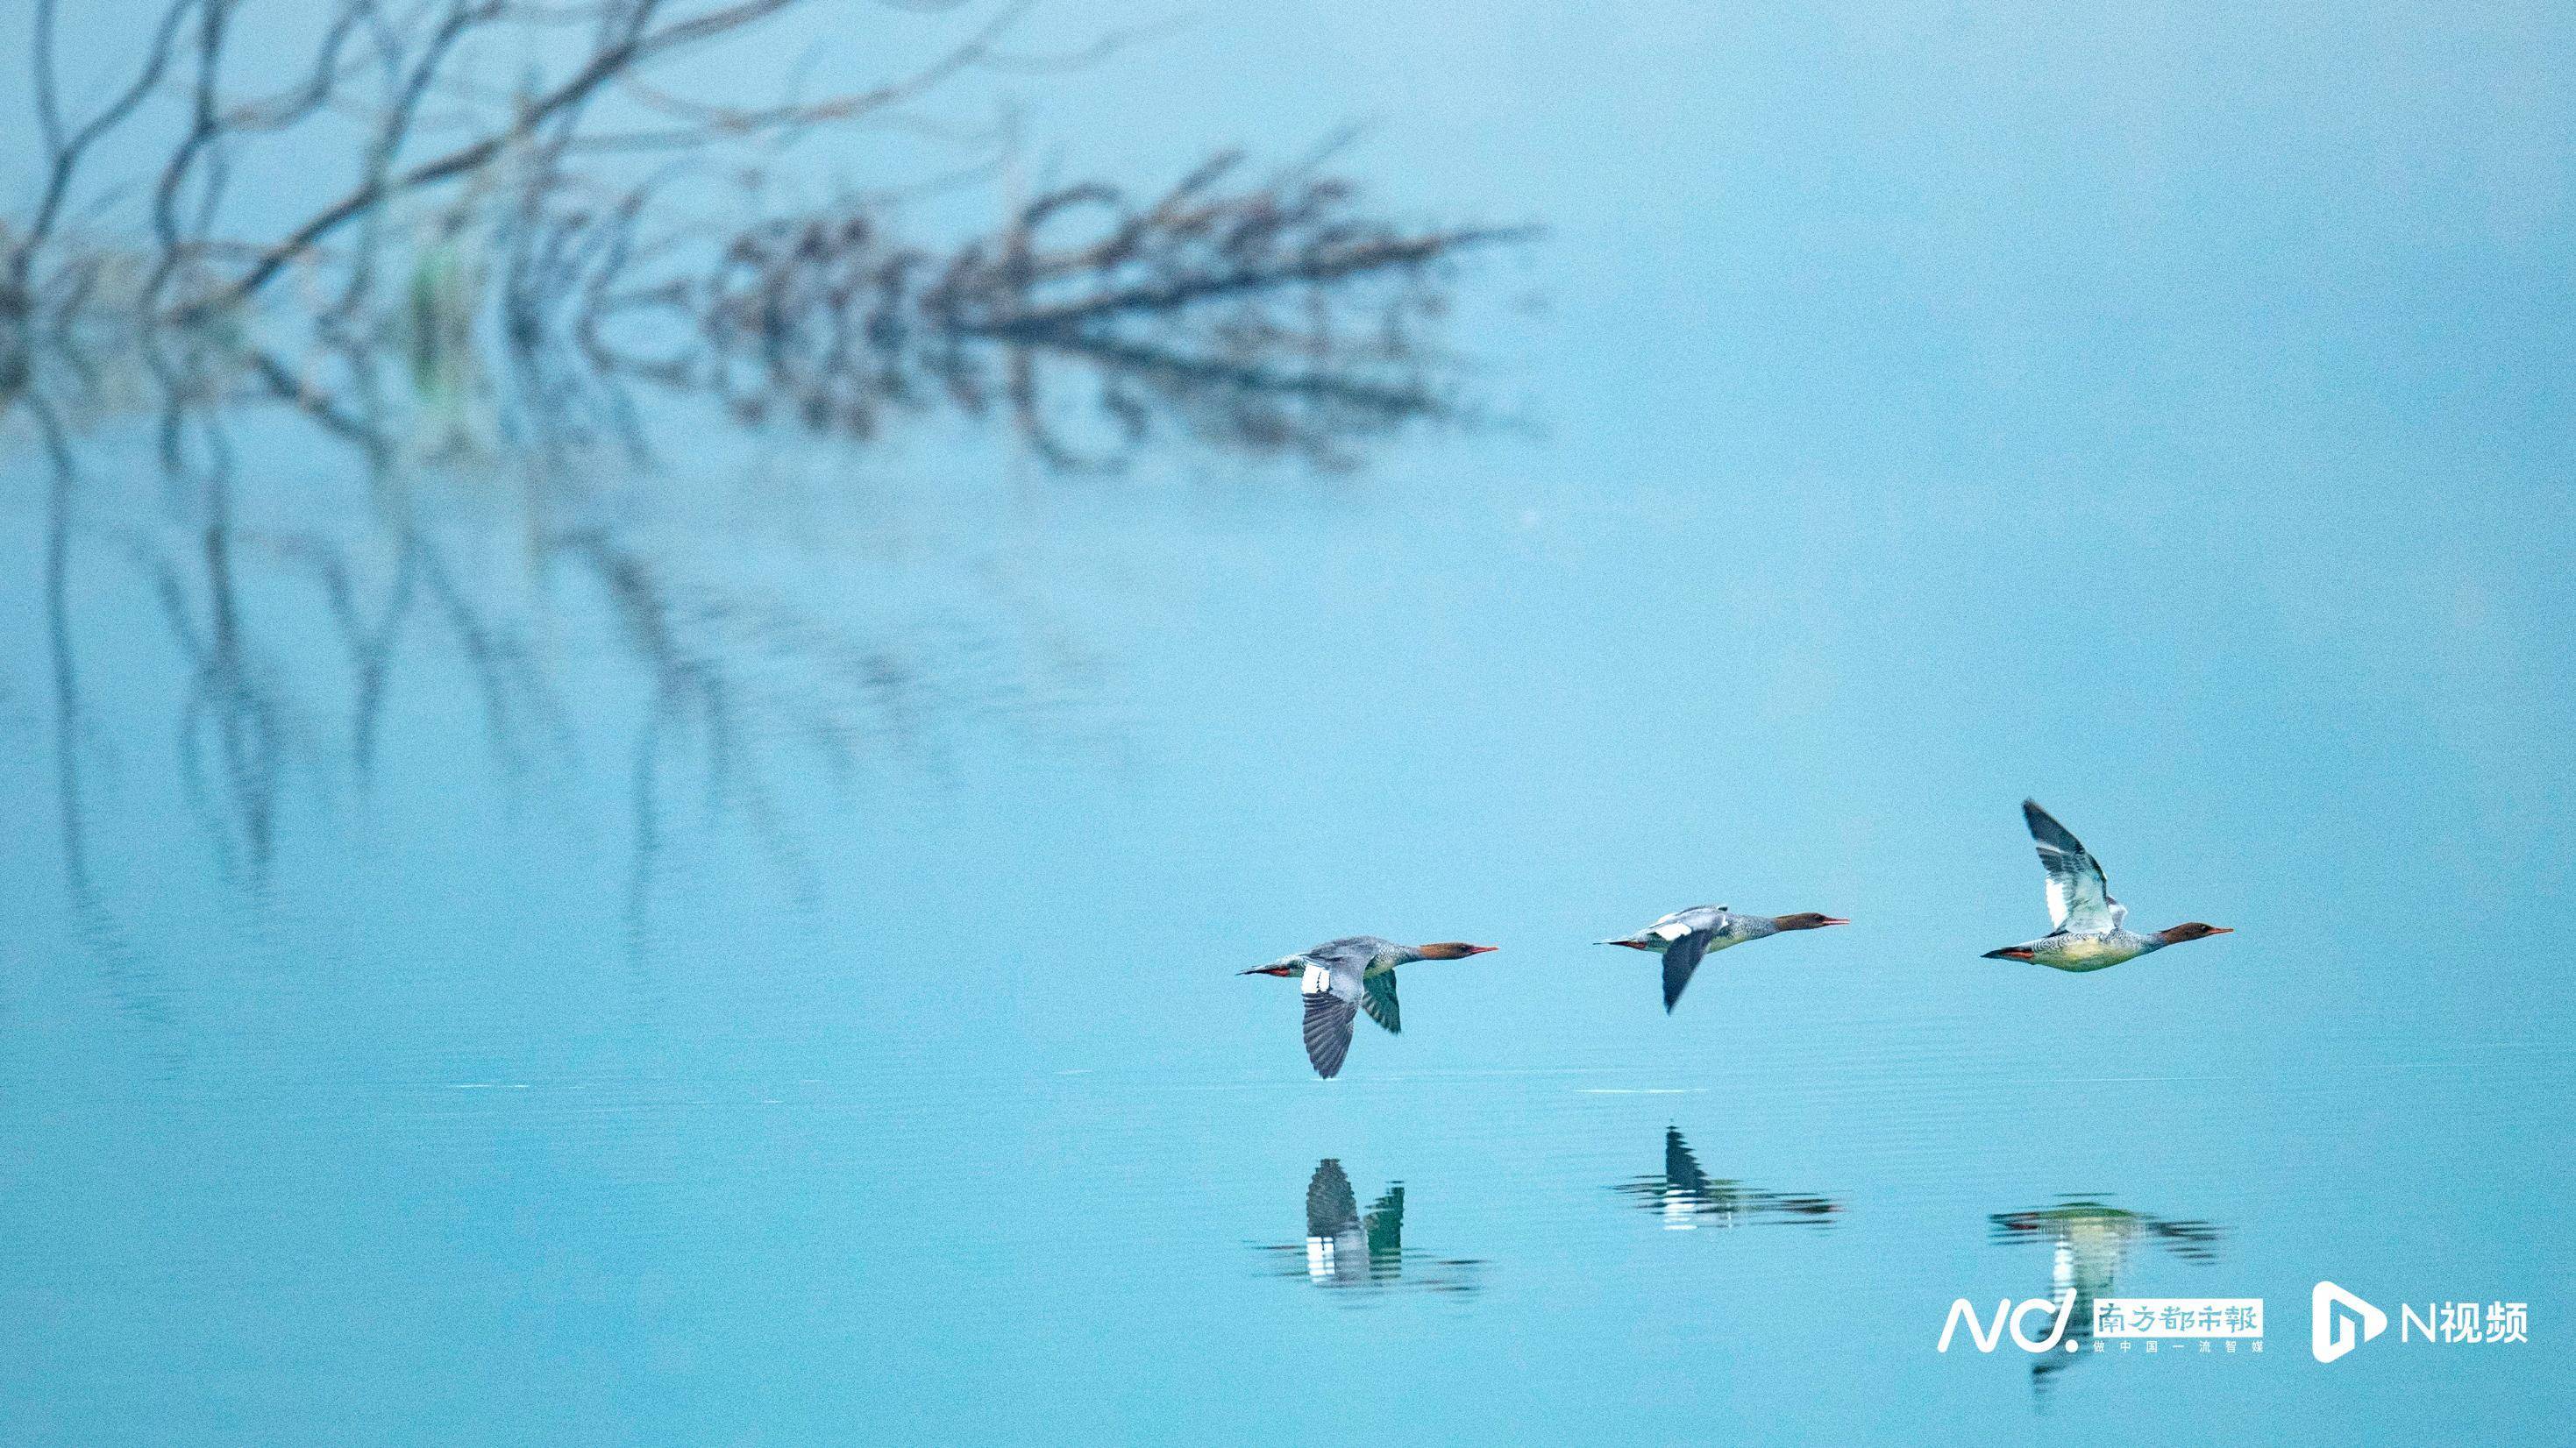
x,y
423,228
360,171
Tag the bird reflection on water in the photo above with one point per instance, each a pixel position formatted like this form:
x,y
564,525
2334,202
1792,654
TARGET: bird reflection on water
x,y
2090,1246
1689,1197
1346,1248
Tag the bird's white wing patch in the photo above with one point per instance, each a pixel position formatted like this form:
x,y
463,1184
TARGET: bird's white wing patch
x,y
1670,928
1316,981
2056,903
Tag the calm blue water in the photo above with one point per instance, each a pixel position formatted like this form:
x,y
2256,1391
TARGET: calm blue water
x,y
748,955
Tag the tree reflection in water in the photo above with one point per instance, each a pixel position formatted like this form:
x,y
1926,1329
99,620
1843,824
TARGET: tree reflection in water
x,y
254,600
420,423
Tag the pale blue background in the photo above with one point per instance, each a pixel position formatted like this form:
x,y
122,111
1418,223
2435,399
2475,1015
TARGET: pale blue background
x,y
2165,414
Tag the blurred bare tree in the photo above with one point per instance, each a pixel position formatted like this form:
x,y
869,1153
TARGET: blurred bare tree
x,y
335,213
1269,313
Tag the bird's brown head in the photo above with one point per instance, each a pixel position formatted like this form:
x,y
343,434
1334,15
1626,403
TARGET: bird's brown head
x,y
1452,950
1807,920
2191,930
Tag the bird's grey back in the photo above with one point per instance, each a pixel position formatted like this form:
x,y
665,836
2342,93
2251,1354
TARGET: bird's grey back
x,y
1724,924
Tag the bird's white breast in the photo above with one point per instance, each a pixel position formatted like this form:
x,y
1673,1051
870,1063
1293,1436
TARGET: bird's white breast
x,y
2089,950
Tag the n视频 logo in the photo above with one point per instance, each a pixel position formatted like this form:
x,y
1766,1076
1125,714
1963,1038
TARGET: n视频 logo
x,y
2335,1312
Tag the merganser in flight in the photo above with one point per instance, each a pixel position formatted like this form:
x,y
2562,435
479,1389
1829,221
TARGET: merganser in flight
x,y
1685,936
2091,933
1340,978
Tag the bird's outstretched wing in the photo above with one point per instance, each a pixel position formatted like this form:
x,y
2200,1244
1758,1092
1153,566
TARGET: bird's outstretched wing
x,y
2079,895
1377,997
1680,959
1332,1003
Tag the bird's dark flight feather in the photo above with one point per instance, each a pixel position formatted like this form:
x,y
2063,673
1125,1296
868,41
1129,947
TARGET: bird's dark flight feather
x,y
1328,1031
1680,959
1378,999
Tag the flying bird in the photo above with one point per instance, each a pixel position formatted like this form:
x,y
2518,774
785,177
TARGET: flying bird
x,y
1684,937
2091,933
1340,978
